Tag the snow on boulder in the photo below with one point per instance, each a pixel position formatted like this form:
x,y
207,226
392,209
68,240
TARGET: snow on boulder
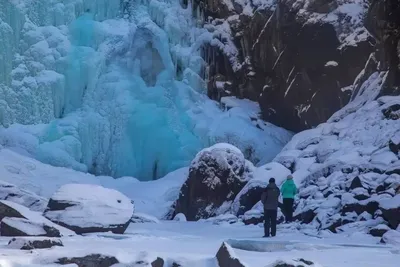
x,y
223,219
25,198
391,237
391,210
216,176
251,193
86,208
36,243
20,221
24,227
226,257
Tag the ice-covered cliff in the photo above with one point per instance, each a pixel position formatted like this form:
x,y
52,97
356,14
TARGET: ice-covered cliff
x,y
115,87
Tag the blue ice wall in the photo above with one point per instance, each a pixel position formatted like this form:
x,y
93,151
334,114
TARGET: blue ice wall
x,y
112,88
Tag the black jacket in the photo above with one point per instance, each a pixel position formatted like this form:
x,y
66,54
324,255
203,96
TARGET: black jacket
x,y
270,197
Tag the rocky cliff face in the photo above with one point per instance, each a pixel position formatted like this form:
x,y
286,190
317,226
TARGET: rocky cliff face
x,y
301,60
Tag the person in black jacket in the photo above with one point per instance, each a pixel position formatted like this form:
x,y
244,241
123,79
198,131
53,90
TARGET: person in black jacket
x,y
269,198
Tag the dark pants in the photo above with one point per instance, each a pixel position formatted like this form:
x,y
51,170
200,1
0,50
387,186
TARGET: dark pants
x,y
288,209
270,222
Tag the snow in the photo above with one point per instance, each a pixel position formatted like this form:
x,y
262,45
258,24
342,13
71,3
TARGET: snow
x,y
93,206
30,175
196,244
331,64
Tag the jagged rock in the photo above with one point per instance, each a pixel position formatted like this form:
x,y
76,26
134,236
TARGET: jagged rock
x,y
159,262
356,183
93,260
90,208
23,227
216,176
379,230
227,258
29,244
394,143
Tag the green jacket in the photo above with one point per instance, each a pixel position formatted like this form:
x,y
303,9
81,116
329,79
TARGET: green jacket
x,y
288,189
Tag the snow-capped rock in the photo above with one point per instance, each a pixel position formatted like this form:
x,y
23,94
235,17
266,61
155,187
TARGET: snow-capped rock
x,y
36,243
17,220
379,230
216,176
86,208
226,257
12,226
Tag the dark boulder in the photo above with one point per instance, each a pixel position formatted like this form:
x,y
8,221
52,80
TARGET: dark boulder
x,y
93,260
23,197
306,216
8,211
216,176
391,211
29,244
379,230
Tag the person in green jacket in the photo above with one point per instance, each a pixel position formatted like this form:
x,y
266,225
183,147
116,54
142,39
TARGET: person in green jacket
x,y
288,190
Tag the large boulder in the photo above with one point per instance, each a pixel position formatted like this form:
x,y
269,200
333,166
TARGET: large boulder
x,y
86,208
391,237
17,220
216,176
29,244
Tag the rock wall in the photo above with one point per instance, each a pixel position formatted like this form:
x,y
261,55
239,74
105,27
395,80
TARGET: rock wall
x,y
298,59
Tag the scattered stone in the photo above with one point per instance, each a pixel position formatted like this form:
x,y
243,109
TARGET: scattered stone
x,y
29,244
93,260
180,217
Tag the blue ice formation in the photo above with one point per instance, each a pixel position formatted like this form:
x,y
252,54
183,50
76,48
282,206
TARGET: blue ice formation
x,y
113,88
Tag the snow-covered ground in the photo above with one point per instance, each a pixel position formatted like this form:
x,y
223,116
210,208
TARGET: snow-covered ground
x,y
195,244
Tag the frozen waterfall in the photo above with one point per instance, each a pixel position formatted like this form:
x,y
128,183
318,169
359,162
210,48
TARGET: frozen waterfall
x,y
112,87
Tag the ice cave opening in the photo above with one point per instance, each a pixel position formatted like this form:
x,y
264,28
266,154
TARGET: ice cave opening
x,y
114,88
